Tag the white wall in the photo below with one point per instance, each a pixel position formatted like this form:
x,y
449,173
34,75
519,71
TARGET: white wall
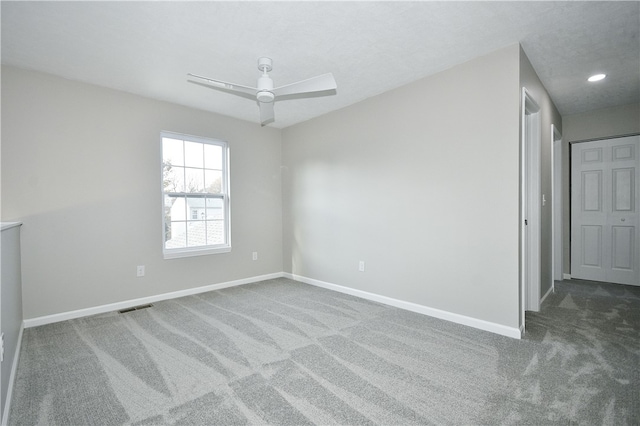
x,y
548,115
422,183
81,170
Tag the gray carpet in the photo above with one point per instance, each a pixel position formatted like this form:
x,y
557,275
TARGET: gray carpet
x,y
284,353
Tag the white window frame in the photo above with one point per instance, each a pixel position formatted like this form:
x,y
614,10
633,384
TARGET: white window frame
x,y
173,253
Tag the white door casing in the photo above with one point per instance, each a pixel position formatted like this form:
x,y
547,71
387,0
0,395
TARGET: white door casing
x,y
556,197
605,223
530,205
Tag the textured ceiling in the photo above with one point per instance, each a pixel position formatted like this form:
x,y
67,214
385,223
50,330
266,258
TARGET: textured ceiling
x,y
147,48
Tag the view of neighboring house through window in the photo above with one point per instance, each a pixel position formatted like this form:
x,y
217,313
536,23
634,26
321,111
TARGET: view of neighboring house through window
x,y
195,186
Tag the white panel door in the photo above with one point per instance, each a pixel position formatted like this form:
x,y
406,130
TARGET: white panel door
x,y
605,224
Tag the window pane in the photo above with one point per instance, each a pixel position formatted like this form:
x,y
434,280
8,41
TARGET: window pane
x,y
213,181
178,209
173,178
196,204
196,234
176,235
215,232
214,208
213,157
194,180
193,154
172,151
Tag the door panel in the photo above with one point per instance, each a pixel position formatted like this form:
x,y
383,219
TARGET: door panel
x,y
592,191
623,152
623,190
592,155
622,246
591,245
604,213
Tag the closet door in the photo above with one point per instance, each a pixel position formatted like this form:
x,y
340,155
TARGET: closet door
x,y
604,210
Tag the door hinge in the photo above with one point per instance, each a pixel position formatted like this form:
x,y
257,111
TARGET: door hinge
x,y
526,222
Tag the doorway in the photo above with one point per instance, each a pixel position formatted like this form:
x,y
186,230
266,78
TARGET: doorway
x,y
530,205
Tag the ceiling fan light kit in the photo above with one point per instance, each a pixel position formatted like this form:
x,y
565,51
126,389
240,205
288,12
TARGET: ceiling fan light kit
x,y
266,94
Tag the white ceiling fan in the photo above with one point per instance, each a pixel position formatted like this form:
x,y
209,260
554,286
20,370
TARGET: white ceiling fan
x,y
266,94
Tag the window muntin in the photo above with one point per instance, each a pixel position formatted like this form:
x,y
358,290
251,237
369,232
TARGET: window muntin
x,y
195,189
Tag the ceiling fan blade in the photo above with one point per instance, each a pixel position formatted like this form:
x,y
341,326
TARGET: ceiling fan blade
x,y
321,83
267,114
244,95
229,87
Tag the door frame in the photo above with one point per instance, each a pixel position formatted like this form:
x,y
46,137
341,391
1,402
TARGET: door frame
x,y
529,205
557,224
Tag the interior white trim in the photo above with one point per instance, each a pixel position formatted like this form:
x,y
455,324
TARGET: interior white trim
x,y
551,290
414,307
566,276
176,253
529,205
409,306
557,246
12,378
48,319
9,225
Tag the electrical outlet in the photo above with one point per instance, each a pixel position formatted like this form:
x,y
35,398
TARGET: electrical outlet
x,y
255,255
140,271
361,266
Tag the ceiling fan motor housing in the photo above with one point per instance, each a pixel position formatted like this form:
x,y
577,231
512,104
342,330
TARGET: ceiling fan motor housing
x,y
265,96
265,86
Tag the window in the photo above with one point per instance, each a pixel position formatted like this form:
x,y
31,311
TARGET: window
x,y
195,196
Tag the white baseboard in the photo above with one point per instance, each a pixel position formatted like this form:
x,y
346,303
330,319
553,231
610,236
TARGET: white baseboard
x,y
566,276
49,319
414,307
551,289
12,378
409,306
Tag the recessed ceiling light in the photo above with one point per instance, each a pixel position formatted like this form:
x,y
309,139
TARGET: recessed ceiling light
x,y
596,77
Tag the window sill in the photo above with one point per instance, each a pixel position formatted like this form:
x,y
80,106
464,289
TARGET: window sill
x,y
178,253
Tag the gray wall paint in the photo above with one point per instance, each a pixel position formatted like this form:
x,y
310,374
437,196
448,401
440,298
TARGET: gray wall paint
x,y
81,170
11,304
604,123
422,183
548,115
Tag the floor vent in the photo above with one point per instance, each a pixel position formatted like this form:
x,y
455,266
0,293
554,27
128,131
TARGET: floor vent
x,y
134,308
